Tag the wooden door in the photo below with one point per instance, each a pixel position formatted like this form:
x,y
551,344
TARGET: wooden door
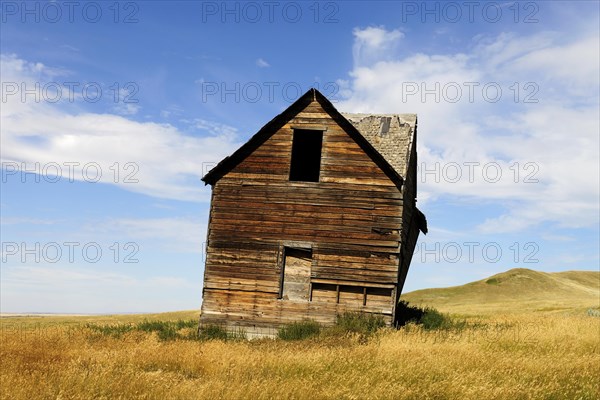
x,y
296,274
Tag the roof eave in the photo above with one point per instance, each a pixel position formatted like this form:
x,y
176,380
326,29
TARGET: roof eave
x,y
257,139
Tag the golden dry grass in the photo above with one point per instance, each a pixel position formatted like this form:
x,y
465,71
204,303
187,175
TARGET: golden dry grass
x,y
543,356
61,321
528,337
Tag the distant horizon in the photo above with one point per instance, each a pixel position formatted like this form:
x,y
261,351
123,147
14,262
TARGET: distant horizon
x,y
9,314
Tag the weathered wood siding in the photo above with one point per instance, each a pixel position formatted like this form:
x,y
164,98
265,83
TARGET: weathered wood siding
x,y
351,219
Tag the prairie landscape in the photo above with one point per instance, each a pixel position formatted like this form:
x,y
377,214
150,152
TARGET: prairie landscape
x,y
521,334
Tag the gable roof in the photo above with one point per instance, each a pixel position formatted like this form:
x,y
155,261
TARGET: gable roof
x,y
389,151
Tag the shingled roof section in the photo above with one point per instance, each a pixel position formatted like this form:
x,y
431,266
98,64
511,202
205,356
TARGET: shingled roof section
x,y
390,134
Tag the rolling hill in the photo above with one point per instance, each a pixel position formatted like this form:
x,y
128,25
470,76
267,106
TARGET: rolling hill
x,y
514,291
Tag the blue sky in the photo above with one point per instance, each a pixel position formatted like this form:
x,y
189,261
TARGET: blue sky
x,y
112,112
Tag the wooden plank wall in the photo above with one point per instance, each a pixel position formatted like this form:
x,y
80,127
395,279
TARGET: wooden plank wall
x,y
351,219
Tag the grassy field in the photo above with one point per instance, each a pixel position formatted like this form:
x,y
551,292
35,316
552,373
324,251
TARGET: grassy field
x,y
544,353
517,290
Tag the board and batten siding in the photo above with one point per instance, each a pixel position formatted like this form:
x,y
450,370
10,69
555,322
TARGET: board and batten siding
x,y
351,221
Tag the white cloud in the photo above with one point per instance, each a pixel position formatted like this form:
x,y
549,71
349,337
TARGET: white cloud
x,y
558,238
212,127
126,108
546,58
374,44
172,110
126,103
558,134
262,63
167,163
376,37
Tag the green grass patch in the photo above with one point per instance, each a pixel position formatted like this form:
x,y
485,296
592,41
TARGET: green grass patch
x,y
434,320
429,318
407,313
166,330
213,332
113,330
217,332
169,330
362,323
299,330
593,312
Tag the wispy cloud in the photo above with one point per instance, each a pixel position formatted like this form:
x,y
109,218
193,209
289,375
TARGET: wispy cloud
x,y
558,238
126,108
262,63
373,44
27,221
69,47
172,110
167,163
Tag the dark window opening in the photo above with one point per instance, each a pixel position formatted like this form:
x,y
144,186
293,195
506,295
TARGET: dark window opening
x,y
306,155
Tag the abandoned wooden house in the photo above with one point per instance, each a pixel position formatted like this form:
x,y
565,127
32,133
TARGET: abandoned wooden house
x,y
315,215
